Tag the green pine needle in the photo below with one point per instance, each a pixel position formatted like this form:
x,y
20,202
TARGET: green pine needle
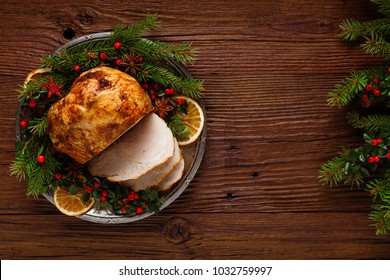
x,y
369,122
348,89
383,6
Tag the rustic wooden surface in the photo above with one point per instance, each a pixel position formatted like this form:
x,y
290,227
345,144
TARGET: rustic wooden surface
x,y
267,67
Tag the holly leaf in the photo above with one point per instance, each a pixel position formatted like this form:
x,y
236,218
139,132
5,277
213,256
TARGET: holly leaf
x,y
73,189
85,197
364,172
367,138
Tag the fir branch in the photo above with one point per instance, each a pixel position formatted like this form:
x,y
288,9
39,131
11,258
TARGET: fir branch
x,y
332,172
351,30
189,87
38,126
376,45
348,88
380,192
177,126
369,122
383,6
127,34
155,50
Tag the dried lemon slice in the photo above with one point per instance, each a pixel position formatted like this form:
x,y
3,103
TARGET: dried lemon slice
x,y
71,204
36,74
194,120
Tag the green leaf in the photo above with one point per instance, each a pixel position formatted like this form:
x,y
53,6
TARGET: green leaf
x,y
367,138
86,196
73,189
382,152
364,172
362,158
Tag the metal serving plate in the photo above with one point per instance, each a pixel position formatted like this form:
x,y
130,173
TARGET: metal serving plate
x,y
193,153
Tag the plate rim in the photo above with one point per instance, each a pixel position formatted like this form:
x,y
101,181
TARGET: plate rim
x,y
110,217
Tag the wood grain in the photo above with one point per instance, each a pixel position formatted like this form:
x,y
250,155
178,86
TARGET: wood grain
x,y
267,66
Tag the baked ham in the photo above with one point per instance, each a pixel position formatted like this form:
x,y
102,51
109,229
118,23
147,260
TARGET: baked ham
x,y
145,146
103,103
156,175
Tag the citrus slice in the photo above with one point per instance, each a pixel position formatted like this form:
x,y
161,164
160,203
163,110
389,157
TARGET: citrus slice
x,y
36,74
194,120
71,204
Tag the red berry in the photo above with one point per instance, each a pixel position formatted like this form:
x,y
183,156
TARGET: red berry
x,y
371,159
41,158
131,196
153,97
388,69
379,140
96,184
139,210
103,56
377,92
377,159
136,196
388,155
88,189
375,81
145,86
58,176
118,62
369,87
140,59
117,45
40,111
366,103
123,210
23,123
374,142
103,198
152,92
364,97
76,68
169,91
32,104
181,101
104,193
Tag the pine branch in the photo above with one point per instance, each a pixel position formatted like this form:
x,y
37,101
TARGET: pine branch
x,y
189,87
351,30
383,6
376,45
127,34
38,126
156,50
369,122
348,89
380,192
177,126
332,172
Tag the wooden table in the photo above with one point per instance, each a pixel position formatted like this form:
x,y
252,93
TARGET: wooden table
x,y
267,67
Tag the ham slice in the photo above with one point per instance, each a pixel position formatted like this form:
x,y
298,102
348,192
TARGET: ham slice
x,y
156,175
147,145
172,178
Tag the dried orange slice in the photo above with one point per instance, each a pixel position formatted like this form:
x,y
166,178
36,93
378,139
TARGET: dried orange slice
x,y
71,204
194,120
36,74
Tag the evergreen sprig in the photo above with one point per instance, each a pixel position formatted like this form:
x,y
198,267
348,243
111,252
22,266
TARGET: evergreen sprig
x,y
148,61
348,89
368,93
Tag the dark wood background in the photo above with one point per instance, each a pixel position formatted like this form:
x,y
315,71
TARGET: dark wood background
x,y
267,67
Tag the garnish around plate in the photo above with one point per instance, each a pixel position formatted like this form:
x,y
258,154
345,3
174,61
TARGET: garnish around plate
x,y
156,68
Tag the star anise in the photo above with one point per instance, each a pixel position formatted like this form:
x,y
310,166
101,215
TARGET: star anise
x,y
162,107
132,62
74,169
53,88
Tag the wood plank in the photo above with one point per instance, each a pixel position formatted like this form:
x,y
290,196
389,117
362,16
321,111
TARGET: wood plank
x,y
208,236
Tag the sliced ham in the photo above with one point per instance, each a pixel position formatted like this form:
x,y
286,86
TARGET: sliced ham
x,y
156,175
147,145
172,178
